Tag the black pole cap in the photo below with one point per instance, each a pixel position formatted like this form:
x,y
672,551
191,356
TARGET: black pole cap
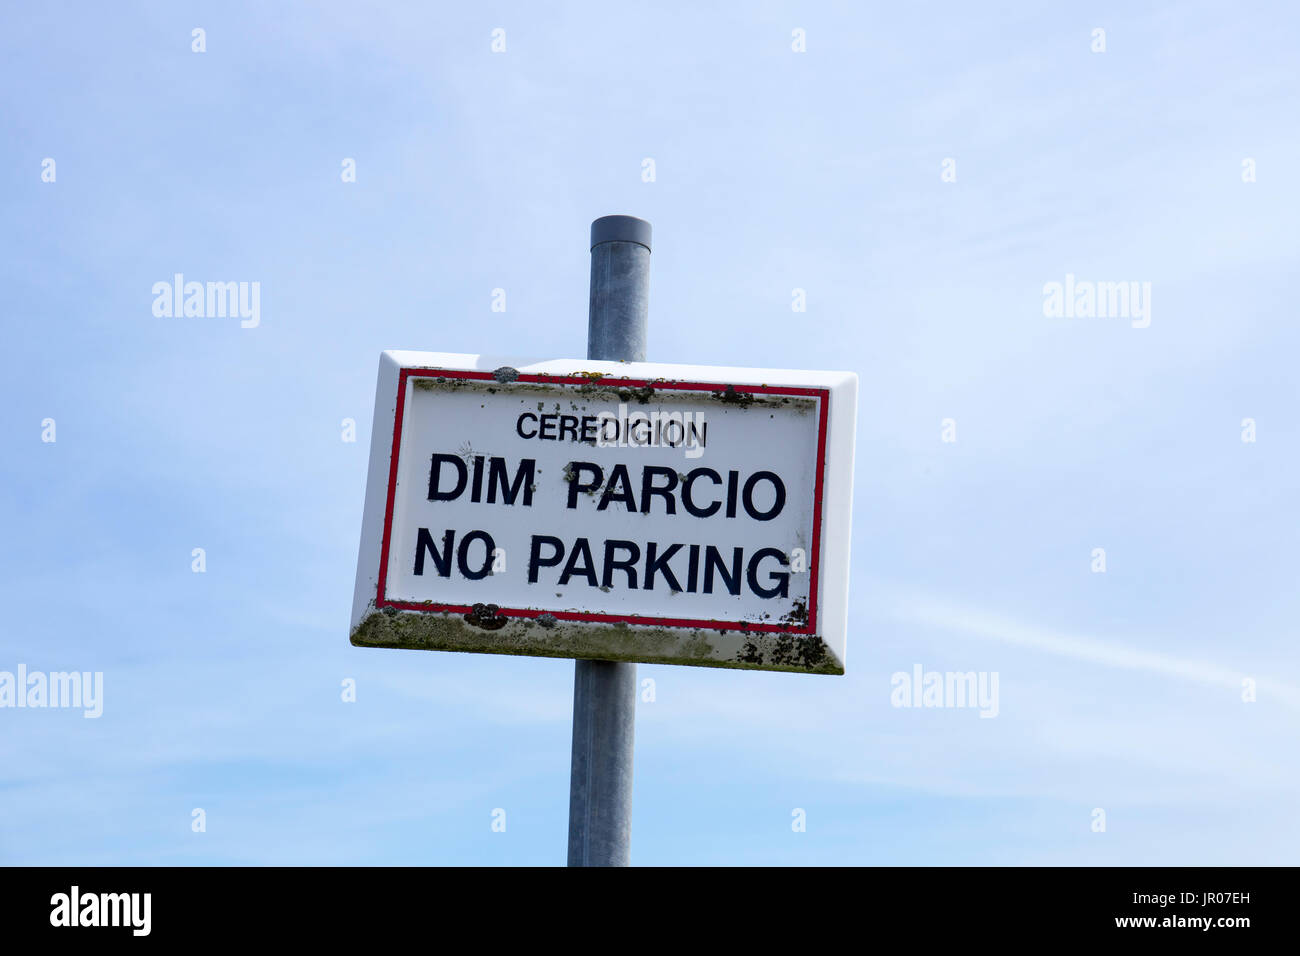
x,y
620,229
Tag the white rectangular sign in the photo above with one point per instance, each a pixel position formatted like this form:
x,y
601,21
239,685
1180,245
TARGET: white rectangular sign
x,y
628,511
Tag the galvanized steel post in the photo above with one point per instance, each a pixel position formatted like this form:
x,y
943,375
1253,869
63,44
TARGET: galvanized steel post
x,y
604,692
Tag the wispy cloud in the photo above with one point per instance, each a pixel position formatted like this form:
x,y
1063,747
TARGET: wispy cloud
x,y
975,622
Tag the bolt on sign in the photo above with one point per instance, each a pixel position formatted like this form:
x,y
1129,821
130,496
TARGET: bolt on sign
x,y
625,511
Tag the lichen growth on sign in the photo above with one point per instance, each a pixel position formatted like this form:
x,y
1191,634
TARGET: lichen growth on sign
x,y
437,631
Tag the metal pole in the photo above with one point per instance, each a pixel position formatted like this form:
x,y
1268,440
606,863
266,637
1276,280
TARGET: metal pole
x,y
604,692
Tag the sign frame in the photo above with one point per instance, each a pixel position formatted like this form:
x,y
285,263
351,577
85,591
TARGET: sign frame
x,y
812,643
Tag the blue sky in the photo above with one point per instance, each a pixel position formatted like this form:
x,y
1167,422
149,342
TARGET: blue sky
x,y
775,170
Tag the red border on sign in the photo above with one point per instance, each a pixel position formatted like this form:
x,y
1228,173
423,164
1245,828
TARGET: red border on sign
x,y
822,394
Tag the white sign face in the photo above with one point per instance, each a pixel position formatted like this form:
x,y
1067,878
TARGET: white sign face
x,y
608,510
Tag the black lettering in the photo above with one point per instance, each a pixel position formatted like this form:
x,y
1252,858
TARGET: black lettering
x,y
658,564
748,495
713,559
535,559
581,549
648,490
782,588
576,484
424,542
628,565
618,476
547,422
435,467
476,485
688,503
462,555
519,425
524,478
